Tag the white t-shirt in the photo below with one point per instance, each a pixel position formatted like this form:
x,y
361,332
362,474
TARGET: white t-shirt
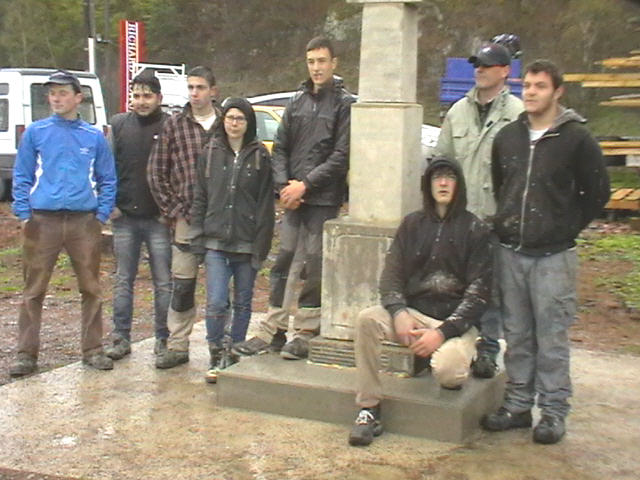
x,y
206,121
534,135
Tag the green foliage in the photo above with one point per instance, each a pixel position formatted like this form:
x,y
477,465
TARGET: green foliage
x,y
625,248
623,177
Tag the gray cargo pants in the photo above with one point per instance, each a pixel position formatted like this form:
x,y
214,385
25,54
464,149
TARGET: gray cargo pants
x,y
538,306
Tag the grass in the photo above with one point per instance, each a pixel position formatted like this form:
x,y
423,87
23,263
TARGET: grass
x,y
623,248
623,177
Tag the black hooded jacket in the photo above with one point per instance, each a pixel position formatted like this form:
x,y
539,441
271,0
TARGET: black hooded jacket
x,y
440,266
233,204
312,143
547,192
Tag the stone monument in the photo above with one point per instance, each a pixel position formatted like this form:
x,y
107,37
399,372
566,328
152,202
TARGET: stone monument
x,y
385,169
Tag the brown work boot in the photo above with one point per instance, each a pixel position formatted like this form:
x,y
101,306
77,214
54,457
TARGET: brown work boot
x,y
24,364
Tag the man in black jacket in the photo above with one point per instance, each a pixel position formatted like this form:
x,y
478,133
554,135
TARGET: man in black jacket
x,y
310,163
550,181
136,218
434,287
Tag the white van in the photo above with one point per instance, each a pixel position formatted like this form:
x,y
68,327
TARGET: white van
x,y
23,100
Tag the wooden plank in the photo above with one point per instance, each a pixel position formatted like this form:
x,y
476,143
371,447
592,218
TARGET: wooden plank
x,y
620,193
622,143
624,199
598,77
622,205
620,151
621,62
634,196
631,103
612,83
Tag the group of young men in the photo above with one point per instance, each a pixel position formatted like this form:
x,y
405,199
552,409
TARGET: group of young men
x,y
493,247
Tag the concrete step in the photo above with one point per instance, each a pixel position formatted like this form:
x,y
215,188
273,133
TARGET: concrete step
x,y
415,406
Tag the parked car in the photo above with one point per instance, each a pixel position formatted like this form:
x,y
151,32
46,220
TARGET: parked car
x,y
269,108
23,100
268,118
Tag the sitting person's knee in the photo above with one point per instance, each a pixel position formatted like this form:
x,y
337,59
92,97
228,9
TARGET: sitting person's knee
x,y
450,367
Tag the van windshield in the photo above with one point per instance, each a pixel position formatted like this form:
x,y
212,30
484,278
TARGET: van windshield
x,y
40,105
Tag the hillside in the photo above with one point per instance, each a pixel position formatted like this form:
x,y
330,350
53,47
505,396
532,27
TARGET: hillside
x,y
257,46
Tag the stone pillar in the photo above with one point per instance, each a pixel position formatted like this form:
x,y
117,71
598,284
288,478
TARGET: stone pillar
x,y
384,166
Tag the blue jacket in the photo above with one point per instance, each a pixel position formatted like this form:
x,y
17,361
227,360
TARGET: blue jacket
x,y
63,165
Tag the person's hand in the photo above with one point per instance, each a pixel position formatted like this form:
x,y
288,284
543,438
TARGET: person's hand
x,y
425,341
403,324
291,195
292,205
115,213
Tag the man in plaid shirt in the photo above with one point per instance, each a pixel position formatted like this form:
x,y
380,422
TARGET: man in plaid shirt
x,y
171,178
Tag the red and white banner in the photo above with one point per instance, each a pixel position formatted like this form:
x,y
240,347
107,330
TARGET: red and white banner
x,y
132,51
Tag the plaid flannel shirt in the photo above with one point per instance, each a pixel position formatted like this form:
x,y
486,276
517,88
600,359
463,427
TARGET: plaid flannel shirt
x,y
172,163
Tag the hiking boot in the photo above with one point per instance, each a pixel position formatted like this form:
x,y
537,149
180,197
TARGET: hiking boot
x,y
253,346
98,360
120,348
296,349
367,426
503,419
171,358
550,429
278,341
24,364
223,361
160,346
484,366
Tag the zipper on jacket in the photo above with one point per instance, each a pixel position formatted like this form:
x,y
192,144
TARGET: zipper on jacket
x,y
526,186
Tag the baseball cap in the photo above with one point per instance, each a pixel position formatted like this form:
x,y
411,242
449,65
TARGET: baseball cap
x,y
63,77
490,55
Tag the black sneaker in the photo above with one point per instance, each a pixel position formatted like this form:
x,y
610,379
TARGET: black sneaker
x,y
120,348
503,419
214,354
253,346
278,341
223,361
550,429
484,366
367,426
296,349
24,364
171,358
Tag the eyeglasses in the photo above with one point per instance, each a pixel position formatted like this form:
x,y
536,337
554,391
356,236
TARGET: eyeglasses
x,y
445,176
232,118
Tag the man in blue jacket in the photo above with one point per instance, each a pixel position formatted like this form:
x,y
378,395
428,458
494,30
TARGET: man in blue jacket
x,y
64,188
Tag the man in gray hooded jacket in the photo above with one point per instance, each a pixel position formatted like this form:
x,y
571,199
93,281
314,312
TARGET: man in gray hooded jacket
x,y
466,136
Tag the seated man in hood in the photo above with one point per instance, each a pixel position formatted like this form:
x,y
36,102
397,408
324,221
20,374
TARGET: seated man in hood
x,y
434,288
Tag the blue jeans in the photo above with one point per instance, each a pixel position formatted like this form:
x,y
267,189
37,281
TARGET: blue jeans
x,y
129,233
221,266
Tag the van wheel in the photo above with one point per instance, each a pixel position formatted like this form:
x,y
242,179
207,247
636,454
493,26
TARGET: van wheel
x,y
5,189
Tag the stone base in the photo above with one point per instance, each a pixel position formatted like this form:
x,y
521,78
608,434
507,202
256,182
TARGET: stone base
x,y
411,406
393,358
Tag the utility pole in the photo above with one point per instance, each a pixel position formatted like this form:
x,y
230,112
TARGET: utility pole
x,y
89,12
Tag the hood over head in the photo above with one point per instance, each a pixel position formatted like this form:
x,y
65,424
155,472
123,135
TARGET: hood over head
x,y
459,202
245,107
